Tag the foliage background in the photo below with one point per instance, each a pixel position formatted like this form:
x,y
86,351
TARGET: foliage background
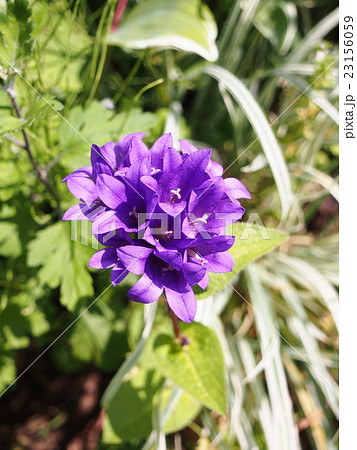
x,y
221,92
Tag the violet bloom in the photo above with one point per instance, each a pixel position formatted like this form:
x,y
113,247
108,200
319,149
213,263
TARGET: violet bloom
x,y
161,213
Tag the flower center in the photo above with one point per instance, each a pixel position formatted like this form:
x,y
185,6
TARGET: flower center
x,y
133,212
175,195
202,219
194,254
167,269
154,171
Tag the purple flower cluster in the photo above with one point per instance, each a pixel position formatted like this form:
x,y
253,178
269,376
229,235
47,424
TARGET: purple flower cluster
x,y
161,213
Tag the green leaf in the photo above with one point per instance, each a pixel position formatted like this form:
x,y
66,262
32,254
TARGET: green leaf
x,y
42,108
10,244
7,369
64,262
131,411
100,336
186,25
97,125
251,243
198,367
277,21
8,124
129,414
16,28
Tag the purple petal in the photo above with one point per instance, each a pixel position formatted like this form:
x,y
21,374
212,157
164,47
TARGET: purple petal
x,y
99,164
219,262
173,209
111,155
235,189
134,257
137,151
118,274
124,142
193,170
111,191
214,169
183,304
105,258
85,171
145,290
75,212
83,188
193,272
187,148
216,244
106,223
171,257
204,282
158,150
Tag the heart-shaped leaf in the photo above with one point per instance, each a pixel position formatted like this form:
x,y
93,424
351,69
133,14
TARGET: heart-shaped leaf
x,y
197,367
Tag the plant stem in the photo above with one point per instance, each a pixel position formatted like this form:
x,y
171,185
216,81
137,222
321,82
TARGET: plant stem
x,y
175,324
27,146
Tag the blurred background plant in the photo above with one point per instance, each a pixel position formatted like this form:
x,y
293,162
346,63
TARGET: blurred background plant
x,y
257,82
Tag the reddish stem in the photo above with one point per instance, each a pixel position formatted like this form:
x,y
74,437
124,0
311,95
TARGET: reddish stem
x,y
175,324
119,11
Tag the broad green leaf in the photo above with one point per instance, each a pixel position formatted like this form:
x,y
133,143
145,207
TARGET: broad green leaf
x,y
262,128
129,414
198,367
186,25
64,262
131,411
185,411
251,243
277,21
98,125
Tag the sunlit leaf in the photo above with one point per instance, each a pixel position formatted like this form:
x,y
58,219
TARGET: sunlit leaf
x,y
181,24
197,367
251,242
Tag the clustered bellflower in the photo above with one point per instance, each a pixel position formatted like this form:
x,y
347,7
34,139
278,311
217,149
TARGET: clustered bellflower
x,y
160,213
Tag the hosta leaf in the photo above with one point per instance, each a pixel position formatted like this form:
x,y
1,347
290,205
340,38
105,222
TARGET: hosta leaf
x,y
198,367
181,24
251,243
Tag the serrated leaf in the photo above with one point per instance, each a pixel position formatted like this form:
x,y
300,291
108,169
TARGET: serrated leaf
x,y
64,262
181,24
251,243
98,125
16,26
198,367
